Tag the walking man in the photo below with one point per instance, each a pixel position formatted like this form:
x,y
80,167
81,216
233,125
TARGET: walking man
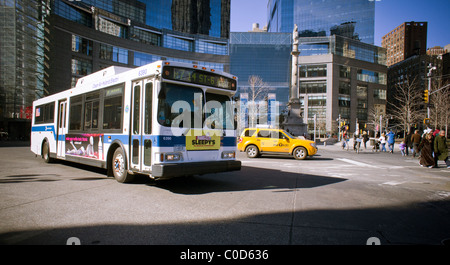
x,y
415,139
441,149
391,141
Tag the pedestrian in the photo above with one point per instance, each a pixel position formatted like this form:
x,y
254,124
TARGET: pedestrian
x,y
441,148
345,140
390,139
382,140
426,156
408,143
403,147
365,139
435,134
415,140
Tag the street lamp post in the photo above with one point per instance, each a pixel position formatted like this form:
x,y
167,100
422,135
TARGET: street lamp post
x,y
431,68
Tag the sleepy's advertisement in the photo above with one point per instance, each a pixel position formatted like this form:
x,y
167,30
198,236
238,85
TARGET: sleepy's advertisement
x,y
87,145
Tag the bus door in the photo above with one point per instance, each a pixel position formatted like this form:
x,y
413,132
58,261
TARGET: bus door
x,y
141,126
61,131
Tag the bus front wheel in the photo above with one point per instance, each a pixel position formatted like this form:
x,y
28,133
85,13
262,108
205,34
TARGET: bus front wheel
x,y
46,152
119,167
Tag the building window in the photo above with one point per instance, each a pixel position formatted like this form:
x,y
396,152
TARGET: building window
x,y
313,87
344,71
71,13
344,112
315,101
313,70
344,101
141,59
111,28
81,45
81,66
361,95
145,36
212,47
113,53
177,43
371,77
379,94
344,87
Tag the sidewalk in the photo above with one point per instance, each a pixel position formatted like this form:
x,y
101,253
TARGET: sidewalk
x,y
14,143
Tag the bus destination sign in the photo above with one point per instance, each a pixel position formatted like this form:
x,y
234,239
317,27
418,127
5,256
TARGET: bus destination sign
x,y
198,77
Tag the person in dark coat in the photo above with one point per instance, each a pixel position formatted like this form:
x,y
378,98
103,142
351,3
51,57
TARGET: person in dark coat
x,y
426,155
415,139
408,143
441,148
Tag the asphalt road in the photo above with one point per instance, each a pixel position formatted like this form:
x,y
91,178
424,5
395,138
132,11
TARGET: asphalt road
x,y
335,198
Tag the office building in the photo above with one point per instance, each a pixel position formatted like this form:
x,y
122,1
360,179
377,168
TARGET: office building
x,y
343,78
414,68
349,18
436,51
406,40
48,45
89,35
22,63
262,54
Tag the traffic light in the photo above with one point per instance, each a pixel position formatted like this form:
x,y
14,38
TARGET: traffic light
x,y
425,96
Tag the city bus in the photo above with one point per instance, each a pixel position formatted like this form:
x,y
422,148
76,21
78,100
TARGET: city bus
x,y
165,119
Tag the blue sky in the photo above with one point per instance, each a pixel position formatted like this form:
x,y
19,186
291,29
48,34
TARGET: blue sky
x,y
388,15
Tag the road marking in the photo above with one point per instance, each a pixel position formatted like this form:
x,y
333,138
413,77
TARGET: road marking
x,y
393,183
355,162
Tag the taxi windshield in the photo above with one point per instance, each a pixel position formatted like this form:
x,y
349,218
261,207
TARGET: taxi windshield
x,y
289,135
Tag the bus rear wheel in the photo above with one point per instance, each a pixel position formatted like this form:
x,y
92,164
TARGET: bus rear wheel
x,y
119,167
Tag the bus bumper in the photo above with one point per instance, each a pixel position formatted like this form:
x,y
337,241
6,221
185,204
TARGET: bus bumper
x,y
164,171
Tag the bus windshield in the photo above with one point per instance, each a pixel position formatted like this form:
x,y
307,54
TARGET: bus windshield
x,y
192,97
175,100
218,113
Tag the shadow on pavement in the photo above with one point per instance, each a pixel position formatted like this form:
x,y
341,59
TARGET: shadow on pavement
x,y
409,224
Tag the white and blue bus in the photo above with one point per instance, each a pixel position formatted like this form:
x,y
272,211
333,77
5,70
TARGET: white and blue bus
x,y
164,120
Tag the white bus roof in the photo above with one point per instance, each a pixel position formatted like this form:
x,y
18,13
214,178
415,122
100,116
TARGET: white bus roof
x,y
104,73
115,75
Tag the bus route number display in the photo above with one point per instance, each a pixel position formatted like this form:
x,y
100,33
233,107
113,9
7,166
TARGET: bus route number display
x,y
198,77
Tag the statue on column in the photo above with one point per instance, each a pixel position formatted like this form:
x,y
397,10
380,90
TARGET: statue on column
x,y
293,121
295,35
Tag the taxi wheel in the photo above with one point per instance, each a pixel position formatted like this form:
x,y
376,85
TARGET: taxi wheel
x,y
300,153
252,151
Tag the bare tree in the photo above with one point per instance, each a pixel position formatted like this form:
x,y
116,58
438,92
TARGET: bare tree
x,y
405,108
440,105
258,90
374,117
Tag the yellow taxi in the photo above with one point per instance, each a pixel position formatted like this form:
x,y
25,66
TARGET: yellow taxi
x,y
257,141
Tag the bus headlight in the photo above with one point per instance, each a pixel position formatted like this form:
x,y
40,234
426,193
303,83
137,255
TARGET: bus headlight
x,y
172,156
228,154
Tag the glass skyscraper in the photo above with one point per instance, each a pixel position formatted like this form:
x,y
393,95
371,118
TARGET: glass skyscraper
x,y
47,45
22,62
349,18
262,54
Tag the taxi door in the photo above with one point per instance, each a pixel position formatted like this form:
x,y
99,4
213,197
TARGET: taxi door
x,y
283,143
268,141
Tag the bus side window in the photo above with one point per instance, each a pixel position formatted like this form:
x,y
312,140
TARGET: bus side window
x,y
148,108
75,115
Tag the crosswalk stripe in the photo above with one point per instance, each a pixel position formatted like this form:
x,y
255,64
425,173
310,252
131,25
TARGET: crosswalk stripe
x,y
355,162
